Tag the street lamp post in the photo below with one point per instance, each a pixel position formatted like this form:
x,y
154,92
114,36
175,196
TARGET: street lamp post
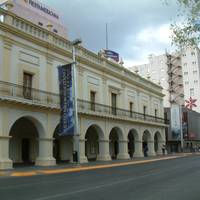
x,y
76,135
181,126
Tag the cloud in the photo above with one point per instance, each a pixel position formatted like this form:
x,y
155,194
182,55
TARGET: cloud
x,y
159,34
132,24
153,39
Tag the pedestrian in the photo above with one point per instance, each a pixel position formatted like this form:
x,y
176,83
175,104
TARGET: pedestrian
x,y
163,149
145,150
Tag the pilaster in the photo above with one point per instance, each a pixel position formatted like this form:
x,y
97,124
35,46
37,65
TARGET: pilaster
x,y
7,50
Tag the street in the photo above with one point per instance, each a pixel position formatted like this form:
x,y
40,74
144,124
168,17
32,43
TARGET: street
x,y
163,180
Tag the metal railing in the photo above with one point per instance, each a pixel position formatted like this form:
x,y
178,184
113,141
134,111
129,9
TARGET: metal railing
x,y
20,93
87,106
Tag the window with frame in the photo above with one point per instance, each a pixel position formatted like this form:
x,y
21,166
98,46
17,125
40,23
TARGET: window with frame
x,y
195,72
92,100
191,92
114,103
144,111
27,85
131,109
156,113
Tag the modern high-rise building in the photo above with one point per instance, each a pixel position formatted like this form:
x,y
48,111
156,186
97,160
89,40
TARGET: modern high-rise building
x,y
166,71
179,75
191,75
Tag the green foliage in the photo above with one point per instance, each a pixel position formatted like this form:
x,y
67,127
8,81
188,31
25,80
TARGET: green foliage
x,y
186,28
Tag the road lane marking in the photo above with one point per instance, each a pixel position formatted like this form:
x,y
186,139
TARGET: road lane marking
x,y
59,180
60,195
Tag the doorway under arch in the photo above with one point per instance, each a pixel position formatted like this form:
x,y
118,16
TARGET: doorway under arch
x,y
157,140
114,137
92,137
132,137
145,140
23,147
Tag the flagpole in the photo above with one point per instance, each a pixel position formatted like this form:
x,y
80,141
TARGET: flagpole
x,y
76,134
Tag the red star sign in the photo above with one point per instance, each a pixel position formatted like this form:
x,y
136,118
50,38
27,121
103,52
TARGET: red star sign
x,y
190,103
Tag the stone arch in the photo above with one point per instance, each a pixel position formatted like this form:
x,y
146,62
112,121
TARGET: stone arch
x,y
98,126
23,145
146,139
132,137
62,147
38,124
115,136
158,142
146,136
93,135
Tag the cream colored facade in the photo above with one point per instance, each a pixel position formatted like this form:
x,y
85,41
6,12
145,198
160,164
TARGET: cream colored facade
x,y
28,126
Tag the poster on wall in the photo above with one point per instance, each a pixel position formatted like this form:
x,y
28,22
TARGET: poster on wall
x,y
67,126
175,122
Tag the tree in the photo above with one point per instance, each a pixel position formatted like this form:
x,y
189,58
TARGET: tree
x,y
186,28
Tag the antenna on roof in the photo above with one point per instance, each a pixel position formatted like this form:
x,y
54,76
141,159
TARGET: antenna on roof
x,y
107,36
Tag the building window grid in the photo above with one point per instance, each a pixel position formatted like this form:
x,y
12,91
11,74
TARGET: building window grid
x,y
195,72
191,92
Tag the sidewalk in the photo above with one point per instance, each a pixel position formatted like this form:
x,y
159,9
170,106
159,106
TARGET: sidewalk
x,y
73,167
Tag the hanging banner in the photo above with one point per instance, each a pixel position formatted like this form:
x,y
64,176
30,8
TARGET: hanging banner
x,y
67,126
175,122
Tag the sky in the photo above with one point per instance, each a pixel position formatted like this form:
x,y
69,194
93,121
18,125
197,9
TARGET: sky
x,y
136,28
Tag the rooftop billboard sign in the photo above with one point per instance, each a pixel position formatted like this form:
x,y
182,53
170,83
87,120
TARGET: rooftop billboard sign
x,y
111,54
43,8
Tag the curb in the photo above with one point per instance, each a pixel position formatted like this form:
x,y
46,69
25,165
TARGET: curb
x,y
87,168
76,169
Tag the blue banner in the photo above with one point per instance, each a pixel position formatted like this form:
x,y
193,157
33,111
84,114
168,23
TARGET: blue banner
x,y
67,126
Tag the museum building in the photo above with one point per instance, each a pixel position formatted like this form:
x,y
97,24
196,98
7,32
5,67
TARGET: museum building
x,y
119,112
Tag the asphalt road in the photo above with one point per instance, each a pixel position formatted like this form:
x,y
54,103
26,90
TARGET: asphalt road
x,y
177,179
